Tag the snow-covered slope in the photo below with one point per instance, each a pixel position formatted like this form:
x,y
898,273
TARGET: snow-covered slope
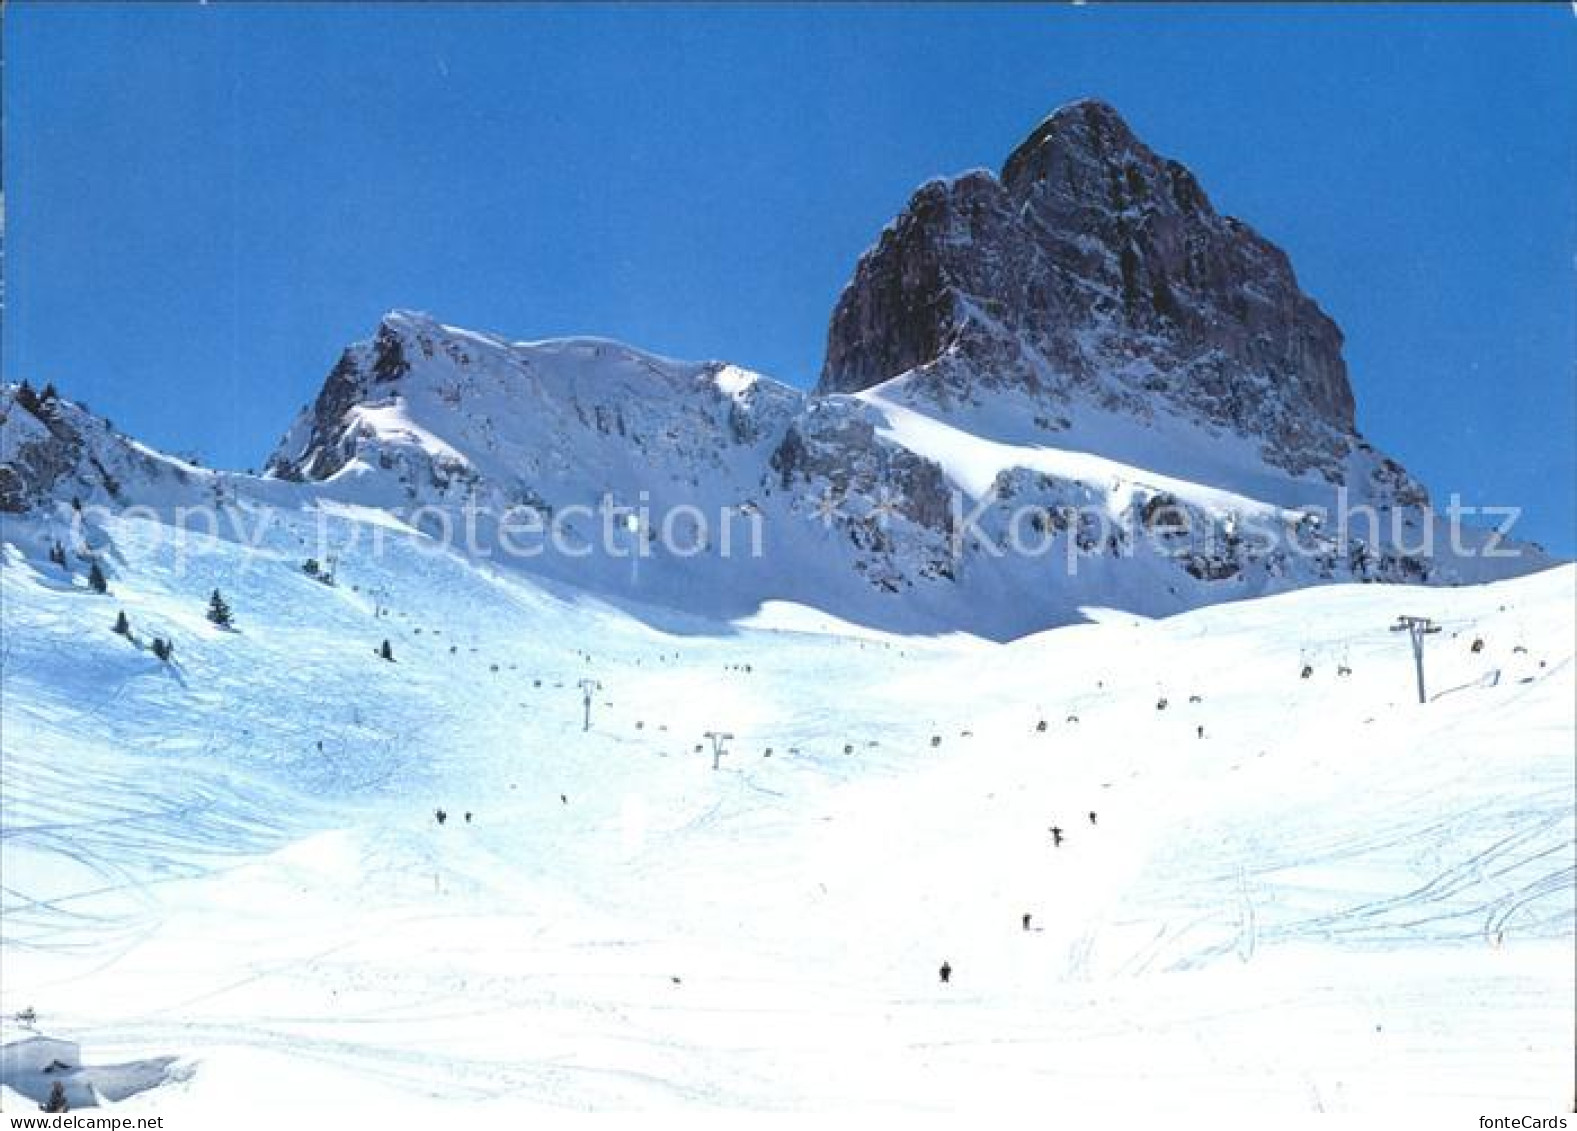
x,y
1273,892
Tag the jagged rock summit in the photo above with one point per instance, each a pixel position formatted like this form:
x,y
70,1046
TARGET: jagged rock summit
x,y
1091,268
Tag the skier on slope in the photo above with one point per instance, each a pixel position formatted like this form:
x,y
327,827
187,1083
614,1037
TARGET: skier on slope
x,y
946,972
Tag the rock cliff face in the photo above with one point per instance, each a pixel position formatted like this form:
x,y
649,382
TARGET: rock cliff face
x,y
354,378
1091,268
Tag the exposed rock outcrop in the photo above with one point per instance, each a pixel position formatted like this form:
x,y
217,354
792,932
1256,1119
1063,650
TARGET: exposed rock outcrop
x,y
1093,268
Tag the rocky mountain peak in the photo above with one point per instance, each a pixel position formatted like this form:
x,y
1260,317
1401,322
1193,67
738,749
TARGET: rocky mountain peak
x,y
1092,268
1087,128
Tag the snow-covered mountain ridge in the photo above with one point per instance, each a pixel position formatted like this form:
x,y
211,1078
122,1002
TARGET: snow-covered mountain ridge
x,y
1070,385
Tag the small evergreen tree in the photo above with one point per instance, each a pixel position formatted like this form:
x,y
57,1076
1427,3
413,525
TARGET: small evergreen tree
x,y
27,398
57,554
162,648
310,567
49,394
122,625
219,612
386,652
96,579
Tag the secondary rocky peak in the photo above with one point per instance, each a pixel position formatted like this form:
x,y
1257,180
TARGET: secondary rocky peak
x,y
1094,267
438,406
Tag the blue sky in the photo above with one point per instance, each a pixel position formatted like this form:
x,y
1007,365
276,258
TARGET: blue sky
x,y
206,204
